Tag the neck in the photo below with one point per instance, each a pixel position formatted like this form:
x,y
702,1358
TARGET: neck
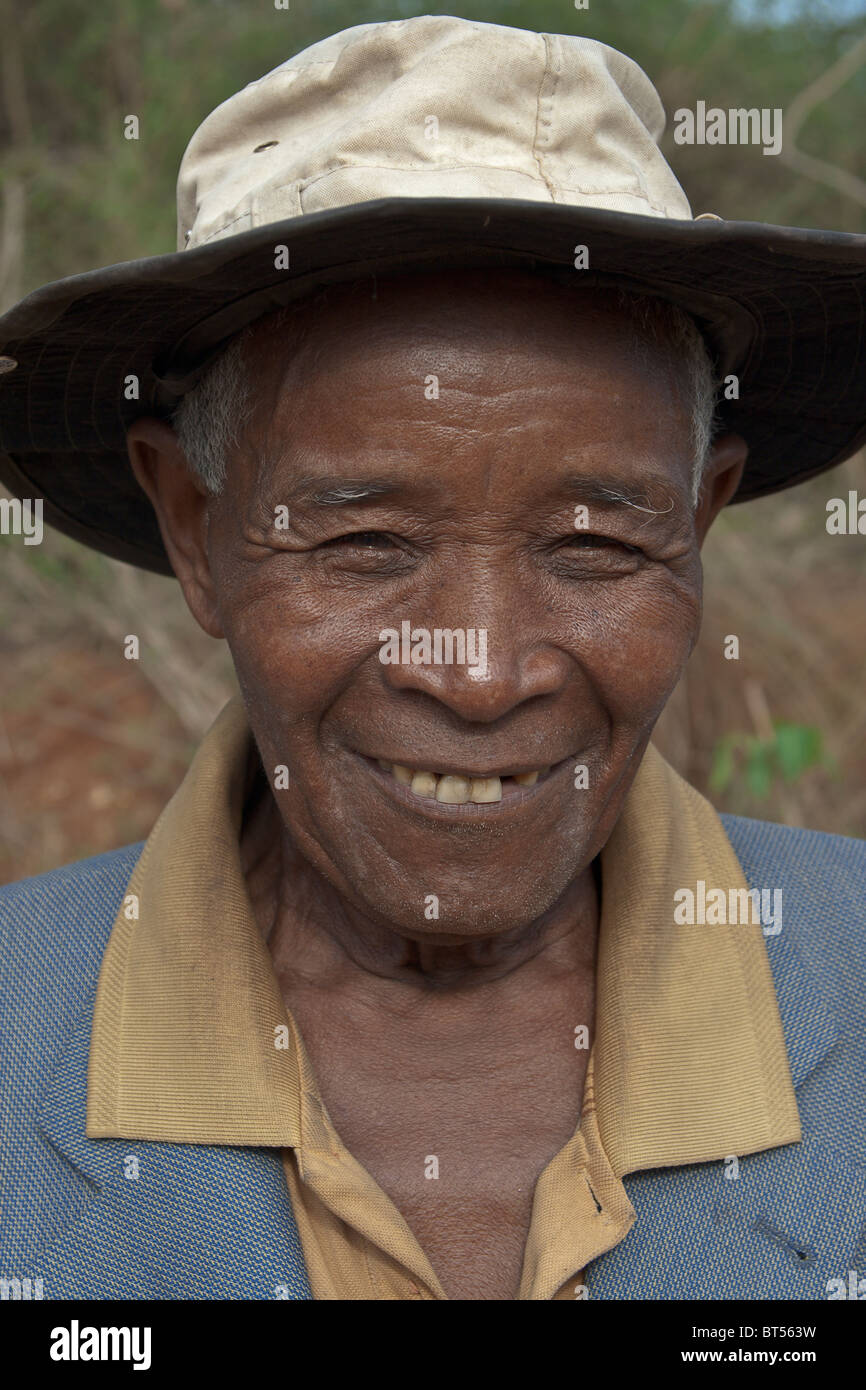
x,y
315,933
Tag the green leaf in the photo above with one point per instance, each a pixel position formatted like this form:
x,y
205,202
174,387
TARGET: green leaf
x,y
798,746
759,769
722,770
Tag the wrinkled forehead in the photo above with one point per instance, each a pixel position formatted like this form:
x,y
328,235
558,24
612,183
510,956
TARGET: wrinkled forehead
x,y
461,377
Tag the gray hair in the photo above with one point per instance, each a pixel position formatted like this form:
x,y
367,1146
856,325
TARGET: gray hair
x,y
209,420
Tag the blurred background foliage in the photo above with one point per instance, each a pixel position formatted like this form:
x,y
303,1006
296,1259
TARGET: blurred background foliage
x,y
92,745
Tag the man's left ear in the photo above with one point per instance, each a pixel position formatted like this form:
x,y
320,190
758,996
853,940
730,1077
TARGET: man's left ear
x,y
722,474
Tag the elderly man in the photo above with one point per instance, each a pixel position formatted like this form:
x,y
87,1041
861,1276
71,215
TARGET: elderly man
x,y
433,980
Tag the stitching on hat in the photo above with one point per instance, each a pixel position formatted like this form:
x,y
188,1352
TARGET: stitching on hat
x,y
506,168
548,70
423,166
226,225
284,71
619,193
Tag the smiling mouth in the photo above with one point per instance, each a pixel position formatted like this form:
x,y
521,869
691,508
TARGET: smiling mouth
x,y
453,789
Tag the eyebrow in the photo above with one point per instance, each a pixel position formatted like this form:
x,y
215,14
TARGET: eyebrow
x,y
342,492
644,496
318,491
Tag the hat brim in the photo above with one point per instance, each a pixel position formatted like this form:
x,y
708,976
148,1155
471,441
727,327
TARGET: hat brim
x,y
784,309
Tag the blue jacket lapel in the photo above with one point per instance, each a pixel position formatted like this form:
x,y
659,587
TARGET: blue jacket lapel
x,y
197,1222
811,1029
790,1221
782,1229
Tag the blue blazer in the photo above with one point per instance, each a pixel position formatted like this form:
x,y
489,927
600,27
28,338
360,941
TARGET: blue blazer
x,y
216,1222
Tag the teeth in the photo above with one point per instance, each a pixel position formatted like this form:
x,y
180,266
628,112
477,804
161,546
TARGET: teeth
x,y
485,789
450,789
453,790
423,784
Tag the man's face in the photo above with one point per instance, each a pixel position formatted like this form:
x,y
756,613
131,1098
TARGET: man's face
x,y
488,412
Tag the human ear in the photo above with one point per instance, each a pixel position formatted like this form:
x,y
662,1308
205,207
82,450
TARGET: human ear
x,y
721,478
180,501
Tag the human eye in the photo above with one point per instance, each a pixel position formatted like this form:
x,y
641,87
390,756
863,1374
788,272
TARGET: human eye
x,y
587,554
362,540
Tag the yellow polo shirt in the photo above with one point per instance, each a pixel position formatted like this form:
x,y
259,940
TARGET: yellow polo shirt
x,y
688,1063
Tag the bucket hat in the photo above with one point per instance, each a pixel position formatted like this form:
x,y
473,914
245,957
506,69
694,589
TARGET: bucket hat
x,y
417,144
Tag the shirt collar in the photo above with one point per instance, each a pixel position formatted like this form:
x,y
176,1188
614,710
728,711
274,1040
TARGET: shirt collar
x,y
186,1039
691,1062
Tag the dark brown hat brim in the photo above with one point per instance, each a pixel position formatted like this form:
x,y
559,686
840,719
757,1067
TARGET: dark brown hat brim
x,y
784,308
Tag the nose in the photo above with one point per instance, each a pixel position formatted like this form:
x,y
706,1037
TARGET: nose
x,y
480,648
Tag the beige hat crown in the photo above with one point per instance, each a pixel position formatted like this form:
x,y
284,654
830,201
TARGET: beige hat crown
x,y
434,106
